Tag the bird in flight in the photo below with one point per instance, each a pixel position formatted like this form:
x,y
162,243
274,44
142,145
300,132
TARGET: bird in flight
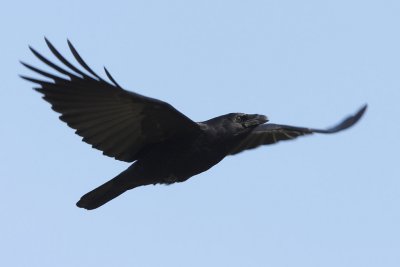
x,y
164,145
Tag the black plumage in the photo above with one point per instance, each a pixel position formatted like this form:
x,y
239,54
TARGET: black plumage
x,y
164,145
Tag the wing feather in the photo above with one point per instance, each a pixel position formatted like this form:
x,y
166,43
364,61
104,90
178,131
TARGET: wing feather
x,y
120,123
269,133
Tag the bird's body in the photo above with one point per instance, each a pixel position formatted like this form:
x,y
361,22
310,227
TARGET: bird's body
x,y
171,161
177,160
164,145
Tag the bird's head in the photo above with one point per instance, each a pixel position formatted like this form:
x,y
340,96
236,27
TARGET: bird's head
x,y
248,120
235,123
242,122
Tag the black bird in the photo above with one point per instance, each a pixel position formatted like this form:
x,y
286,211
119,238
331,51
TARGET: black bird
x,y
164,145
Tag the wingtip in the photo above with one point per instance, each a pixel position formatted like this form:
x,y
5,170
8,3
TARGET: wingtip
x,y
32,49
111,77
48,43
345,124
72,48
26,65
360,112
25,77
364,107
350,121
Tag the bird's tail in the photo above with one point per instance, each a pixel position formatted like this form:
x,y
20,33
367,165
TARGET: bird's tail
x,y
106,192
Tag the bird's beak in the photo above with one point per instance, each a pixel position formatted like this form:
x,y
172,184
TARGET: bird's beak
x,y
255,120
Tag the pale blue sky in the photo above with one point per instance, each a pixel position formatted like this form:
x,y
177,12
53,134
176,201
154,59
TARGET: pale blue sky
x,y
317,201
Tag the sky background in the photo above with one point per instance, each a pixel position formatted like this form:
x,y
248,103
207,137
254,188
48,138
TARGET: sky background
x,y
317,201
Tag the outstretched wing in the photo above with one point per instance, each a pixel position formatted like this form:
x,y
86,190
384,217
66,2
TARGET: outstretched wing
x,y
118,122
269,133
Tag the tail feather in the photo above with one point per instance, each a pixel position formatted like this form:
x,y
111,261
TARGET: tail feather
x,y
126,180
104,193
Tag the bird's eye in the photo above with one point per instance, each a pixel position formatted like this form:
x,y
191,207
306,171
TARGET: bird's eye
x,y
241,118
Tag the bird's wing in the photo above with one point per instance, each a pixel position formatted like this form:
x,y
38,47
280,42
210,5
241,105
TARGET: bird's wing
x,y
269,133
118,122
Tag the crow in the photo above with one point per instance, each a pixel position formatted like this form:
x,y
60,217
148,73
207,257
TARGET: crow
x,y
164,145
